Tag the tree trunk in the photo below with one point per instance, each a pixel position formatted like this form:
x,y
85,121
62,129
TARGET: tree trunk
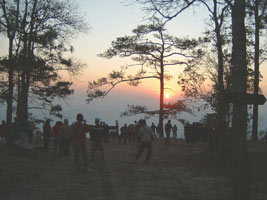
x,y
221,114
256,72
10,92
239,154
23,98
161,102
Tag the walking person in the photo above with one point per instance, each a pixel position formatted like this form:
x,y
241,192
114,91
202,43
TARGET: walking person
x,y
47,133
145,134
97,133
168,128
79,130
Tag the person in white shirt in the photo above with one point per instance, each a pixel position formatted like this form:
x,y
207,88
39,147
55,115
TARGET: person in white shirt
x,y
145,135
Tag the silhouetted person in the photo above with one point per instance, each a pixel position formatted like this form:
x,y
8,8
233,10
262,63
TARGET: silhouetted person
x,y
47,133
96,136
15,129
145,135
3,130
123,135
31,132
158,130
174,132
56,138
79,130
66,134
153,126
168,128
131,132
106,132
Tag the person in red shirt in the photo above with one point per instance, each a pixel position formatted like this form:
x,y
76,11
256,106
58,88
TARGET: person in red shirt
x,y
79,130
56,138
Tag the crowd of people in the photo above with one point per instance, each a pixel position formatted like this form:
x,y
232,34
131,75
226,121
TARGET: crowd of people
x,y
66,138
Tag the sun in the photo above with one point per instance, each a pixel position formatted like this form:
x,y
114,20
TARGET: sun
x,y
167,95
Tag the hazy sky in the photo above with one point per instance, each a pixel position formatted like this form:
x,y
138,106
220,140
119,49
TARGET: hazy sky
x,y
110,19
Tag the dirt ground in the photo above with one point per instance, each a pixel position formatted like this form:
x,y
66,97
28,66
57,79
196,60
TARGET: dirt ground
x,y
178,171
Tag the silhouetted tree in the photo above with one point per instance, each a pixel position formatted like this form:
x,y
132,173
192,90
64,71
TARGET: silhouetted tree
x,y
165,9
169,109
150,48
42,30
239,153
258,12
9,20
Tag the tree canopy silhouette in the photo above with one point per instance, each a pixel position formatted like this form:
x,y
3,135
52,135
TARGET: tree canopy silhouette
x,y
151,49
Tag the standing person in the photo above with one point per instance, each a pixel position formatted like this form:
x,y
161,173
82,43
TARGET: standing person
x,y
96,136
145,134
168,128
15,129
3,130
158,130
117,128
47,133
79,130
56,138
131,132
106,134
31,132
153,126
24,126
66,133
123,134
174,132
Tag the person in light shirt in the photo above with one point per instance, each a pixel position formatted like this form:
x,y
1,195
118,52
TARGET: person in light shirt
x,y
145,135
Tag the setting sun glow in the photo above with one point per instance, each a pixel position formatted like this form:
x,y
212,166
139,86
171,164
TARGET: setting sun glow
x,y
167,95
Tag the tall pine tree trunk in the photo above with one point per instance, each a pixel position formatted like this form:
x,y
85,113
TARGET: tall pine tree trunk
x,y
239,154
161,102
221,114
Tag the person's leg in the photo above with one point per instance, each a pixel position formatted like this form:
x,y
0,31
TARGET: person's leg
x,y
55,146
102,152
48,141
67,147
125,138
77,155
61,146
85,156
93,144
167,138
120,139
45,142
149,151
140,151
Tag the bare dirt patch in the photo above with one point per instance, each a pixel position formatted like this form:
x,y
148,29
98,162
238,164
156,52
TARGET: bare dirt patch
x,y
178,171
